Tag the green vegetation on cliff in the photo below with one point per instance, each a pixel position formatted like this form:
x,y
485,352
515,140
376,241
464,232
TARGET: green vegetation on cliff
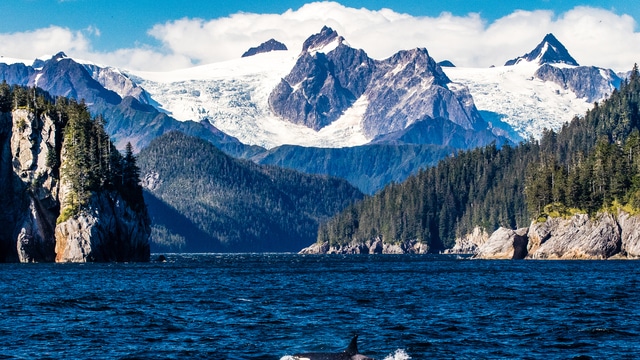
x,y
590,163
85,158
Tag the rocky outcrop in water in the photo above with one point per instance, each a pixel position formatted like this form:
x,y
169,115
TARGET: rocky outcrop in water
x,y
376,246
108,230
604,236
32,195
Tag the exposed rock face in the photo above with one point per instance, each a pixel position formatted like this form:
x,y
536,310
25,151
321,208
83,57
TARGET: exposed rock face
x,y
268,46
504,244
588,82
549,51
322,86
579,237
630,234
470,243
330,76
109,230
410,86
29,187
376,246
30,202
114,80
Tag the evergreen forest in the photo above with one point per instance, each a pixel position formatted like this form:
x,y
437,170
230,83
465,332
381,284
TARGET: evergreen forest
x,y
591,164
85,157
202,200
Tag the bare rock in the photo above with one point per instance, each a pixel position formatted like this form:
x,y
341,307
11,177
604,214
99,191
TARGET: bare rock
x,y
109,230
504,244
576,238
470,243
630,234
375,246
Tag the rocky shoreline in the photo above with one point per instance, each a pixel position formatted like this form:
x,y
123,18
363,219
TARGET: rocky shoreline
x,y
580,237
370,247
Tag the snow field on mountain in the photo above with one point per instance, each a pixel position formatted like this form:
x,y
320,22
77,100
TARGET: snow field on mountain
x,y
233,96
525,103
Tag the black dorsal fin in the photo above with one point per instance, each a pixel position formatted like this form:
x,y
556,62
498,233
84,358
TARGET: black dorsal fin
x,y
353,346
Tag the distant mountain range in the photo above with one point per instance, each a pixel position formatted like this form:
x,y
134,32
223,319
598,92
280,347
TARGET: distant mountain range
x,y
283,107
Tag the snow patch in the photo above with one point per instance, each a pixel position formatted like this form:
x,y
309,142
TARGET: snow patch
x,y
233,97
11,61
525,103
325,48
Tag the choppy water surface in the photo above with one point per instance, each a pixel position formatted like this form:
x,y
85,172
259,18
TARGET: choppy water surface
x,y
270,306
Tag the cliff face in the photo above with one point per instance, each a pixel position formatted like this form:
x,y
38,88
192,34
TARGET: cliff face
x,y
108,230
31,197
579,237
30,189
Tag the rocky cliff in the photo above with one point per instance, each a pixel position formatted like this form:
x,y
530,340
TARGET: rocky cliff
x,y
31,198
604,236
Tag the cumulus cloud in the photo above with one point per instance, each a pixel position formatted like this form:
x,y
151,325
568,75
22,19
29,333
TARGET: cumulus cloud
x,y
36,43
593,36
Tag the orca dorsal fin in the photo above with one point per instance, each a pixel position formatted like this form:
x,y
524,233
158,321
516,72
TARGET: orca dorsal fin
x,y
352,349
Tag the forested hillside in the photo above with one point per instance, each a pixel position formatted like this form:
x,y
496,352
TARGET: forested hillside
x,y
200,199
591,162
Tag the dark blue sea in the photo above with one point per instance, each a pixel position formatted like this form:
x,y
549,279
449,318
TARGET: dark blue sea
x,y
269,306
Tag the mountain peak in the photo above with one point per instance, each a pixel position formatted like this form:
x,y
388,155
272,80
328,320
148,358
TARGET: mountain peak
x,y
326,40
549,51
267,46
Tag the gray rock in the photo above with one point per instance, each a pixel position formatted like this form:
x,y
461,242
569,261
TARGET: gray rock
x,y
470,243
504,244
587,82
402,90
630,234
549,51
375,246
267,46
576,238
109,230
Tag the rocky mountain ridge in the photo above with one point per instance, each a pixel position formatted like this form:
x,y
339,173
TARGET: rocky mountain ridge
x,y
267,46
331,77
549,51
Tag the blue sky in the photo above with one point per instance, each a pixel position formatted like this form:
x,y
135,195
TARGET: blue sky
x,y
140,33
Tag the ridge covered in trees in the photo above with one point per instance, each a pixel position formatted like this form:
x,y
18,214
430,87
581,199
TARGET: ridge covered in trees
x,y
589,164
202,200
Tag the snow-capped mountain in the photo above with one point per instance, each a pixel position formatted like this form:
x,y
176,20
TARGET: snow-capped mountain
x,y
549,51
542,89
328,95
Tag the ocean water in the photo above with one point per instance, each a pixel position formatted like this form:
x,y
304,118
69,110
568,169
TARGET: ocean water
x,y
269,306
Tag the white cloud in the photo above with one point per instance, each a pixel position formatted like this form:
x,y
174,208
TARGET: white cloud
x,y
46,41
593,36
